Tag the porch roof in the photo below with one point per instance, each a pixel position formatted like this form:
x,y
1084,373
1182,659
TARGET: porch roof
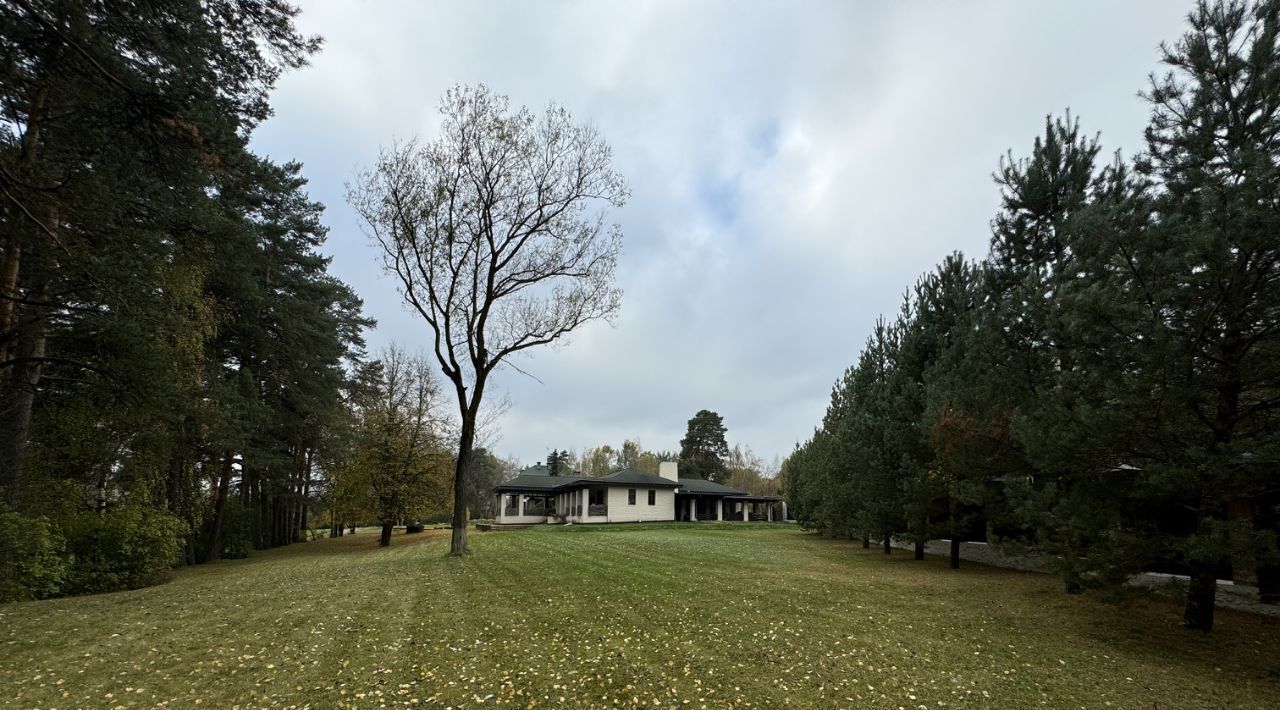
x,y
526,483
532,484
703,487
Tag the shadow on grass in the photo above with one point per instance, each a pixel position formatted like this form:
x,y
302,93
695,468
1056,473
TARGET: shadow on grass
x,y
1142,625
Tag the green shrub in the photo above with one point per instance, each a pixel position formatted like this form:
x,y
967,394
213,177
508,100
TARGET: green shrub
x,y
33,558
124,548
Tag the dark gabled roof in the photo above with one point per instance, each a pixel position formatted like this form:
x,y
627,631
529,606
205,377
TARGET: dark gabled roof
x,y
633,477
704,487
541,483
535,482
540,469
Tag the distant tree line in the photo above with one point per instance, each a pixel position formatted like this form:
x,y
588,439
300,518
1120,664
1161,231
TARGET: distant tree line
x,y
1104,386
605,459
704,453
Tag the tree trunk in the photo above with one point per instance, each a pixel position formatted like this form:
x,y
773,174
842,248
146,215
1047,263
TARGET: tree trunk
x,y
1268,570
9,262
213,545
1240,530
246,483
284,535
302,519
306,495
1201,597
25,339
922,530
955,534
180,494
17,398
1269,584
888,548
458,541
385,540
264,514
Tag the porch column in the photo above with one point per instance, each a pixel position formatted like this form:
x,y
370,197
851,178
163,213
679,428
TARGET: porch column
x,y
784,511
719,508
693,509
497,516
520,504
768,509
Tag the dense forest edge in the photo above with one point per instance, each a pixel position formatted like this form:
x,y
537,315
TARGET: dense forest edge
x,y
1102,387
175,357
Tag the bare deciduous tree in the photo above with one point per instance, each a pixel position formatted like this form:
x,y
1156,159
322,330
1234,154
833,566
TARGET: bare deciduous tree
x,y
496,233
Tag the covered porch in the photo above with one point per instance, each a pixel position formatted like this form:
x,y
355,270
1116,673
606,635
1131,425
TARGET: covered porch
x,y
755,509
524,507
701,507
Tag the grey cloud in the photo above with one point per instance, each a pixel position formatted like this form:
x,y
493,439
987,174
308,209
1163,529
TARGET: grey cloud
x,y
794,167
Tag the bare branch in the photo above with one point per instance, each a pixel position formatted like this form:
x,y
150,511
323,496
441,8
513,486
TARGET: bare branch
x,y
496,235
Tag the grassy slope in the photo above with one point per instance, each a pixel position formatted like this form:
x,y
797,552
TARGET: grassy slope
x,y
711,615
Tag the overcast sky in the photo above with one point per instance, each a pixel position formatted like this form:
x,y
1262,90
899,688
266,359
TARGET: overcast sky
x,y
793,167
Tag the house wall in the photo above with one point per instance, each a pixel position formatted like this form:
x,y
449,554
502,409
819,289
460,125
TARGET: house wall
x,y
520,519
664,507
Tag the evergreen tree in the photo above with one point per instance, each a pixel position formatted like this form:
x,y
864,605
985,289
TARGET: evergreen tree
x,y
169,335
1179,301
1034,255
120,123
940,499
703,449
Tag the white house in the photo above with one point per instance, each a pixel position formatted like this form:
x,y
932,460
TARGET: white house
x,y
626,496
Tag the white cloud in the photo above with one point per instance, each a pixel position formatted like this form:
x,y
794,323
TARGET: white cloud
x,y
794,167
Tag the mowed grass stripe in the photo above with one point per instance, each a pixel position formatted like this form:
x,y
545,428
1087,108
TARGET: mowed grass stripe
x,y
663,615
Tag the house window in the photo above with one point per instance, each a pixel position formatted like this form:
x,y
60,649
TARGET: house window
x,y
631,496
653,497
597,497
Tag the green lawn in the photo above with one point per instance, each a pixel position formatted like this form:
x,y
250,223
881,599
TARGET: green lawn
x,y
710,615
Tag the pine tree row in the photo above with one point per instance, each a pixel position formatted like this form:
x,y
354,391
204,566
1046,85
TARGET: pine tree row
x,y
1104,387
